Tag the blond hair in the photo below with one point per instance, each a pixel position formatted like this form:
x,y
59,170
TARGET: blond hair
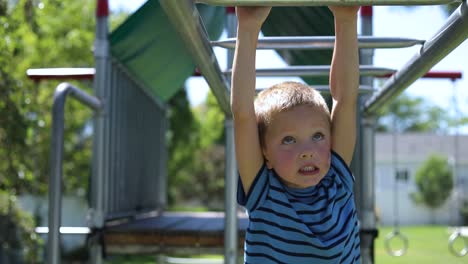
x,y
282,97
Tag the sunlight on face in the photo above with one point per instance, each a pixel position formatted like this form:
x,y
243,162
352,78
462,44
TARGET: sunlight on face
x,y
297,146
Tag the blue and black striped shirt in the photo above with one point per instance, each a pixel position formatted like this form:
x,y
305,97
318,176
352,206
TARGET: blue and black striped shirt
x,y
318,224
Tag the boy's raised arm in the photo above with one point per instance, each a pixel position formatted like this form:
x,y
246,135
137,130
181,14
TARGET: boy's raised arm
x,y
344,81
248,151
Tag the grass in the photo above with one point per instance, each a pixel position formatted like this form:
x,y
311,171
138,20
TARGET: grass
x,y
426,244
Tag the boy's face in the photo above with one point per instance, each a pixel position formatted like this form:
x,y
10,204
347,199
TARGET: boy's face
x,y
297,146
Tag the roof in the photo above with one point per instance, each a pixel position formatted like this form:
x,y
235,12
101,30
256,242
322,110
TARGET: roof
x,y
416,147
149,48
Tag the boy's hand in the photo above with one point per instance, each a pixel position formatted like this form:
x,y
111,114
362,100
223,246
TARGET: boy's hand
x,y
252,17
344,11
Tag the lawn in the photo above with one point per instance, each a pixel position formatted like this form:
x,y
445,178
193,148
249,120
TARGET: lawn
x,y
427,244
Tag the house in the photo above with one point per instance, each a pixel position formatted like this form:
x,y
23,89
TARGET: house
x,y
408,154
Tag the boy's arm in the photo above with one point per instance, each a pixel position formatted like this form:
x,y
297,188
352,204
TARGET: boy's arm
x,y
247,144
344,81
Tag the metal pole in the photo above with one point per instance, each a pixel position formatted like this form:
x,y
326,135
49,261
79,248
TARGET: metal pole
x,y
101,129
452,34
325,42
187,21
231,222
315,70
56,158
230,203
322,2
365,181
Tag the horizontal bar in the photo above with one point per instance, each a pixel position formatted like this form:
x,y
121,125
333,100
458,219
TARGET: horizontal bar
x,y
66,230
365,42
322,2
316,70
449,37
452,75
363,89
60,74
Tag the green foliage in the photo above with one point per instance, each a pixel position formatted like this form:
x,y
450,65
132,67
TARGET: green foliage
x,y
182,143
434,181
413,114
196,152
35,34
17,231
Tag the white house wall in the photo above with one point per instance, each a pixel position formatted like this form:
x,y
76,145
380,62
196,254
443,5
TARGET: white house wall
x,y
413,150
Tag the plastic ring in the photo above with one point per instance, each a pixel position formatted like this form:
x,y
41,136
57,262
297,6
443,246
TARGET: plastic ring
x,y
453,237
396,235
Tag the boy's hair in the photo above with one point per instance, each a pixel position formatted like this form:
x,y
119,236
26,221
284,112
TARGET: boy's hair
x,y
282,97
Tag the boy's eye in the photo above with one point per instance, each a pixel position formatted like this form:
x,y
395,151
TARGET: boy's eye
x,y
288,140
317,136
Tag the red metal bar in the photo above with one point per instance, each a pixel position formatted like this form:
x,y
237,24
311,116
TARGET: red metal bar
x,y
366,11
230,10
453,75
102,8
61,74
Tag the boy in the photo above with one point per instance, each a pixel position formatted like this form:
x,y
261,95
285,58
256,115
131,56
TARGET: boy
x,y
293,155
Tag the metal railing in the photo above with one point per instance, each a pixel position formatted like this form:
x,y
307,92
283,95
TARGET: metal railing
x,y
62,91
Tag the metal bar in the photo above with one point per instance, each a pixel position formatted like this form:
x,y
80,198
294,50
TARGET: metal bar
x,y
452,75
452,34
60,74
363,89
231,222
326,42
316,70
101,131
65,230
56,158
363,161
321,2
187,21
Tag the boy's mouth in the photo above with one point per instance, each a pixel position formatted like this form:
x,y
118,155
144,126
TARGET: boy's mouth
x,y
309,170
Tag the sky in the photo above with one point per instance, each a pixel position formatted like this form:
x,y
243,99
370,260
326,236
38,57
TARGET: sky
x,y
388,21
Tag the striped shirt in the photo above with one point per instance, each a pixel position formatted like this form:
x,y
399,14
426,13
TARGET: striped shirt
x,y
313,225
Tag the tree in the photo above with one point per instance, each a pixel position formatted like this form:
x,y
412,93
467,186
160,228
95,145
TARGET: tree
x,y
183,140
413,114
434,181
47,34
34,34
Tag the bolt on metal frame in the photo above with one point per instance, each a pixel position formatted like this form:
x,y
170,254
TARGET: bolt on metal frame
x,y
183,14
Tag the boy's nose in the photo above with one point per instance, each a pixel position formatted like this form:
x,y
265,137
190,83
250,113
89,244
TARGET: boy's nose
x,y
307,153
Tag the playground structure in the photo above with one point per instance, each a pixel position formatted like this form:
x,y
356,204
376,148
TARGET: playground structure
x,y
130,125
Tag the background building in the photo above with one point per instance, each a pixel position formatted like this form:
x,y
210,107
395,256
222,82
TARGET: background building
x,y
412,149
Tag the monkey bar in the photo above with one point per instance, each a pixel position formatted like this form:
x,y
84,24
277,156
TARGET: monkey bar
x,y
184,15
316,70
326,42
